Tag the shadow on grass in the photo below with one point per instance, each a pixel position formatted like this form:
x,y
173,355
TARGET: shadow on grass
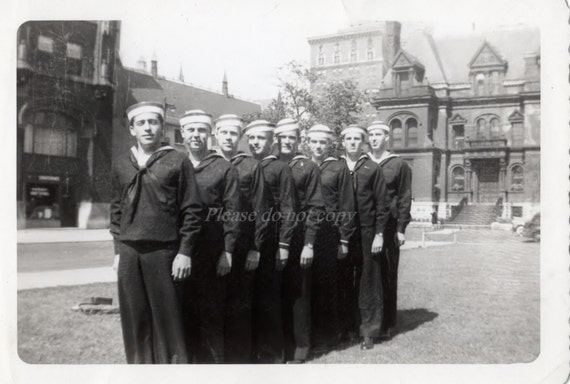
x,y
408,320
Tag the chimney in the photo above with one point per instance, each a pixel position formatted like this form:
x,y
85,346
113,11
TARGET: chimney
x,y
141,63
225,85
532,65
181,75
392,43
154,66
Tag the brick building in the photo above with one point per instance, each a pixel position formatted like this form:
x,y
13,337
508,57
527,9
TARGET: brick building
x,y
65,73
72,94
464,112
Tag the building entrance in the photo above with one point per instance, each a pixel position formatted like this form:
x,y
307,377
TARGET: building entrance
x,y
486,174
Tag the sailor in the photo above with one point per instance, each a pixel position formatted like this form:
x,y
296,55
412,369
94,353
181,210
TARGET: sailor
x,y
298,273
218,184
331,302
268,329
370,196
254,203
398,177
156,214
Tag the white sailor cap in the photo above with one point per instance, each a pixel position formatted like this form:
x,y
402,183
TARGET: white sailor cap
x,y
229,120
353,129
196,116
259,126
285,125
320,131
378,125
145,107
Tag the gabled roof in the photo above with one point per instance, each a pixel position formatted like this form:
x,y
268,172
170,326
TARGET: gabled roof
x,y
447,59
405,59
182,97
485,56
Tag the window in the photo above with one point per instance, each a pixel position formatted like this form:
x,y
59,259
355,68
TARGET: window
x,y
74,59
45,44
481,130
518,134
321,56
336,53
480,84
411,132
495,128
396,125
370,50
52,134
178,136
353,56
458,137
517,178
495,82
458,179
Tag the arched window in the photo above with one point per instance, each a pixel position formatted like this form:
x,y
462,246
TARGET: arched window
x,y
411,132
397,137
517,178
457,179
495,128
51,133
481,129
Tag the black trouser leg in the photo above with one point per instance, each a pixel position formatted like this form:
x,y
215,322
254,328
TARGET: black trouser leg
x,y
238,316
390,259
204,299
324,313
296,306
150,312
267,319
370,299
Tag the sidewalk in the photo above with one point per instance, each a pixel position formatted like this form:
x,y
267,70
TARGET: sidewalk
x,y
31,280
62,235
46,279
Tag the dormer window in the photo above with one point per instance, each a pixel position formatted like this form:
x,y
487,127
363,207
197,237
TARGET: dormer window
x,y
488,70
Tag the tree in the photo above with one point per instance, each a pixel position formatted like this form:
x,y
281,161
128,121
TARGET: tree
x,y
339,105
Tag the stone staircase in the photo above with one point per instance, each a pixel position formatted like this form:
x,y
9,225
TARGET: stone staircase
x,y
476,214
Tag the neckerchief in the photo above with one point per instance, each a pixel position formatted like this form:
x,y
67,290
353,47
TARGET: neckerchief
x,y
134,187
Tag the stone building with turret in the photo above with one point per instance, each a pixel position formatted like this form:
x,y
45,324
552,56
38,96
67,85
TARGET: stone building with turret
x,y
464,112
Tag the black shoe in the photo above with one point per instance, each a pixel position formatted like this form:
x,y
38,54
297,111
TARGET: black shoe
x,y
367,343
386,334
296,361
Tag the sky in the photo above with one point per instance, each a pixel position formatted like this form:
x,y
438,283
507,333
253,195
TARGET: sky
x,y
250,40
248,43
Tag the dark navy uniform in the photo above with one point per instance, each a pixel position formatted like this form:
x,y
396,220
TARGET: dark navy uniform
x,y
156,212
370,196
296,280
254,202
398,176
330,318
267,325
204,294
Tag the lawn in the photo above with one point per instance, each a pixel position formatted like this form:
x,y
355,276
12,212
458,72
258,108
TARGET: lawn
x,y
472,302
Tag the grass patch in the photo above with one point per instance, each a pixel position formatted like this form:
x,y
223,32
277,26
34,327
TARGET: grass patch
x,y
462,303
49,332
